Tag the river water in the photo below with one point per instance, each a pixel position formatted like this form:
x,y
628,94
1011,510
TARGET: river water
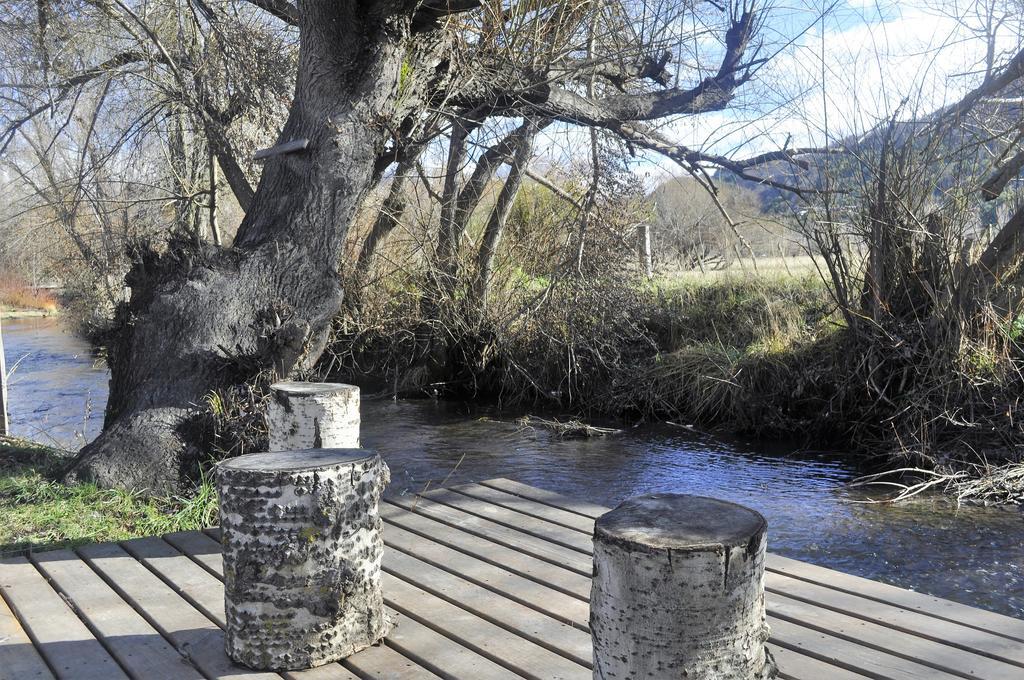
x,y
973,555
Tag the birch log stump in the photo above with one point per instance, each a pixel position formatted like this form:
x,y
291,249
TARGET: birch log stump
x,y
313,416
678,591
302,546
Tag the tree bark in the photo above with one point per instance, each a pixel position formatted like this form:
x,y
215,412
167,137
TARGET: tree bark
x,y
643,232
212,206
389,217
450,232
302,546
306,415
495,229
201,318
999,257
3,386
678,591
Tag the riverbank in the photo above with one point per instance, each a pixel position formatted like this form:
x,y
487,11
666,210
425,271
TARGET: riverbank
x,y
10,313
41,513
766,355
19,300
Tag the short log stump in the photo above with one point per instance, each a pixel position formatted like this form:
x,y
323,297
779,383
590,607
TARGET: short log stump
x,y
678,591
302,545
307,415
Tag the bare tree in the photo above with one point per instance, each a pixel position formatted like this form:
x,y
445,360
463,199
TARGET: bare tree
x,y
371,80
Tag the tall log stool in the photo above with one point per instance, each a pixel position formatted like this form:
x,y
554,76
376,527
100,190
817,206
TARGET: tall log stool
x,y
306,415
678,591
302,545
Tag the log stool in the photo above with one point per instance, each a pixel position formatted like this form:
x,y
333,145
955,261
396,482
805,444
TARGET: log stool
x,y
302,546
306,415
678,591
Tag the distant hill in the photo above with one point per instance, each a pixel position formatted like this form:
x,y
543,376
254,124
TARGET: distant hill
x,y
956,150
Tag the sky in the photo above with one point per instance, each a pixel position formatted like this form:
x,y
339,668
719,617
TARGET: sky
x,y
841,68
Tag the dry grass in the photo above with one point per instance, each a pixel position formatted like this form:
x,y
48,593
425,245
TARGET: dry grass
x,y
17,295
762,269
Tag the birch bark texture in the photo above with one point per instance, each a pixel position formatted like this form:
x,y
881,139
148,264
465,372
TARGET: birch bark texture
x,y
678,591
302,545
306,415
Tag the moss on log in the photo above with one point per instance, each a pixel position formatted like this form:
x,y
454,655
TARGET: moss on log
x,y
302,547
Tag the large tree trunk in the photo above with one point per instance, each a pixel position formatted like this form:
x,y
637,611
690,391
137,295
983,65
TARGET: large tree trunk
x,y
201,318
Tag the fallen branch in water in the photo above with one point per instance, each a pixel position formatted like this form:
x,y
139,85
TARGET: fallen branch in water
x,y
978,484
999,484
568,429
906,490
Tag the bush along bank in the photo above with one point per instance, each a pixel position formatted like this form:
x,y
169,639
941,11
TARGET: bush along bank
x,y
760,355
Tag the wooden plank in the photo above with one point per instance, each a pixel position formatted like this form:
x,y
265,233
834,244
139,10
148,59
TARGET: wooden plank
x,y
845,654
799,666
69,647
136,645
898,618
206,593
511,518
331,671
947,661
895,640
528,623
552,498
964,615
189,580
795,666
948,610
569,582
417,650
570,520
381,663
498,533
499,645
190,631
18,657
442,655
524,591
203,548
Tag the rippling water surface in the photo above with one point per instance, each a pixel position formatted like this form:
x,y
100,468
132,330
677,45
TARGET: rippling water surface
x,y
972,555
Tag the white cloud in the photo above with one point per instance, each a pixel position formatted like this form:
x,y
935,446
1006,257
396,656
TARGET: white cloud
x,y
848,72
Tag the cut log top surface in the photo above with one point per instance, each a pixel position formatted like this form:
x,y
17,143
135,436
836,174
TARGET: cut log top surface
x,y
296,461
681,522
312,388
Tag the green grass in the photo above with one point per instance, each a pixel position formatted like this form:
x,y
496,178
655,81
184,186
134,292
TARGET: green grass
x,y
40,513
740,311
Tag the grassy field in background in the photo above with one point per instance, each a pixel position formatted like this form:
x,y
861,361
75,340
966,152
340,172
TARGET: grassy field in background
x,y
40,513
762,268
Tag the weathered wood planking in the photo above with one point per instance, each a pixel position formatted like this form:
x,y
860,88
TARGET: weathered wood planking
x,y
488,581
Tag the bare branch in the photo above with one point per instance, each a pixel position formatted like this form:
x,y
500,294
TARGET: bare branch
x,y
282,9
64,89
995,184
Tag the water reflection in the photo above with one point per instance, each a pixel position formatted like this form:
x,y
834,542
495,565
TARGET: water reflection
x,y
972,555
57,387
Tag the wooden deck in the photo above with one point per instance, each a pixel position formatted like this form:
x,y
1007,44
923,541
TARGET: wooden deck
x,y
487,581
